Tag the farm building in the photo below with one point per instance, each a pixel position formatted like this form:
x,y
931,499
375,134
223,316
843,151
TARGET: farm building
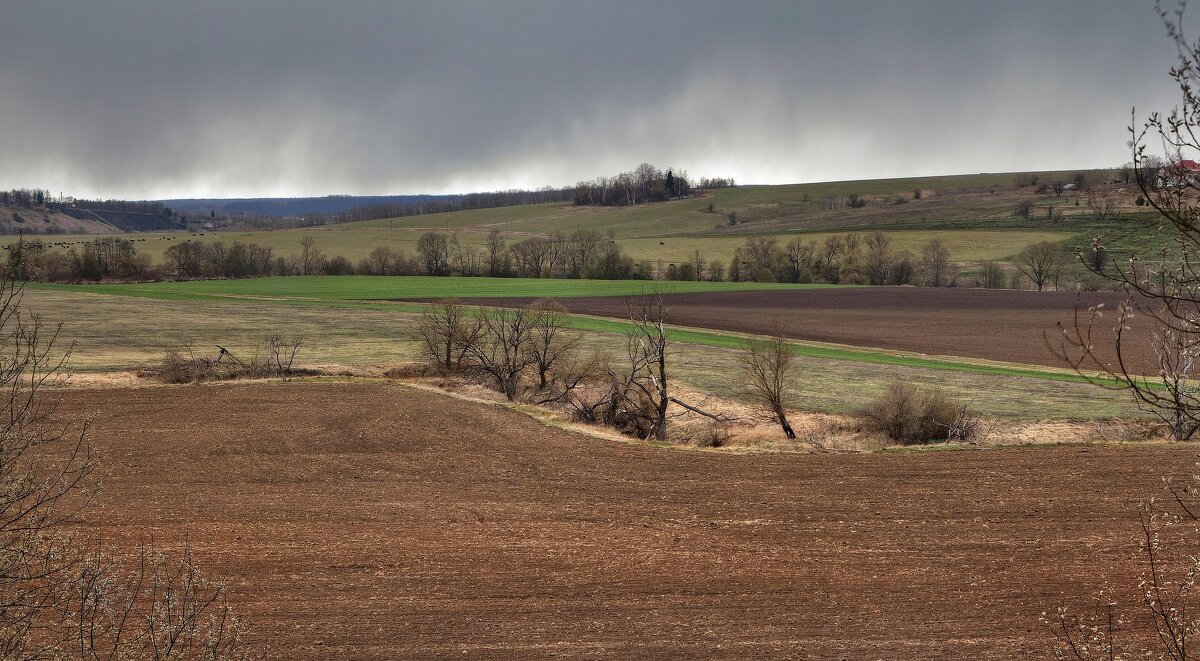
x,y
1182,173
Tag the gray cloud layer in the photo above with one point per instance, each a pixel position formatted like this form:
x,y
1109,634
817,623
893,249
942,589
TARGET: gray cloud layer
x,y
285,97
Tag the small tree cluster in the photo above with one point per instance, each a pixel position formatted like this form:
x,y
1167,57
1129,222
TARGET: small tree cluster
x,y
502,345
645,183
529,351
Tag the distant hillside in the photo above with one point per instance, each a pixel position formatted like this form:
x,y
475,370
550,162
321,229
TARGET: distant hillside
x,y
127,221
14,220
296,206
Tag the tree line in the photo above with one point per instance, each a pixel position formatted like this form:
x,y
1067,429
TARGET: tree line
x,y
850,258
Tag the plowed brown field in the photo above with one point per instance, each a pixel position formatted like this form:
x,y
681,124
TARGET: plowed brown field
x,y
372,521
974,323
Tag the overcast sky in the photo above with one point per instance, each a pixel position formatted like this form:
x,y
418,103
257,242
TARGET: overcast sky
x,y
158,99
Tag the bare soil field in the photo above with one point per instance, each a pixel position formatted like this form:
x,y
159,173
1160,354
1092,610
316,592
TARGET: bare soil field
x,y
368,520
1002,325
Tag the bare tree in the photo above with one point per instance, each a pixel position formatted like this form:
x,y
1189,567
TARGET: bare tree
x,y
1039,262
800,257
762,254
879,259
445,331
994,276
767,366
502,349
935,261
495,251
1102,208
550,344
311,257
281,353
644,387
646,347
434,250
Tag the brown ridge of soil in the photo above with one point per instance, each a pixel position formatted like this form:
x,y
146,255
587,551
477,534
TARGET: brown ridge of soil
x,y
1000,325
372,521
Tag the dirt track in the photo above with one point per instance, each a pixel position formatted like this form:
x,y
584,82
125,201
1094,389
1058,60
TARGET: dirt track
x,y
371,521
974,323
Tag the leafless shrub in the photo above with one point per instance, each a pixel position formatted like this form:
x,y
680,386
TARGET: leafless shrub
x,y
163,607
912,416
1170,567
968,425
818,439
281,354
181,365
1102,208
572,375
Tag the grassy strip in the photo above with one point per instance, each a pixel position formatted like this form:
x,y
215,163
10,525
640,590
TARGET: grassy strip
x,y
365,287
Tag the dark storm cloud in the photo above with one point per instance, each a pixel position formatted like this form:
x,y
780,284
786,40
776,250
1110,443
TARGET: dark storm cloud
x,y
157,99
